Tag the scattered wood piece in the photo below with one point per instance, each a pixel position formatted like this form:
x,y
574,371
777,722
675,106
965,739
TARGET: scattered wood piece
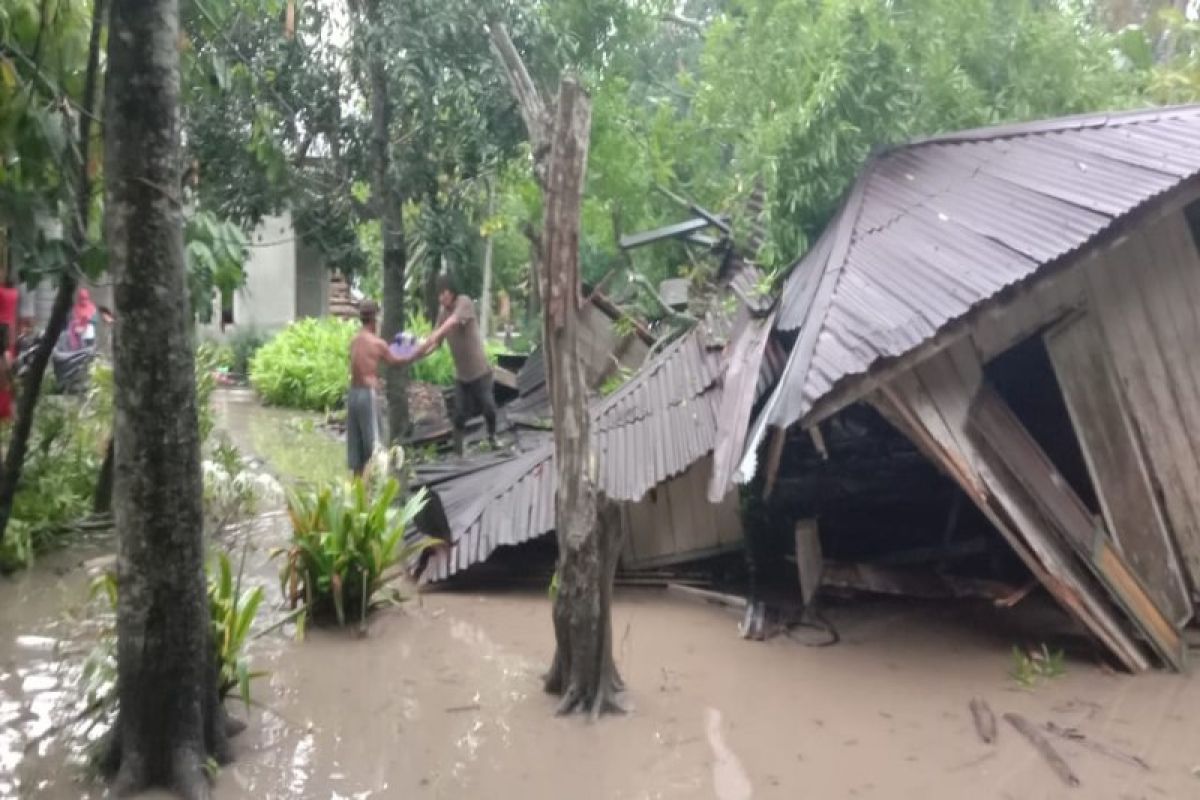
x,y
460,709
1012,599
1076,736
985,720
708,595
907,582
808,558
1044,748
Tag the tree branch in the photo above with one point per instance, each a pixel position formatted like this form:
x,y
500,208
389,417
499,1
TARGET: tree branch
x,y
684,22
529,101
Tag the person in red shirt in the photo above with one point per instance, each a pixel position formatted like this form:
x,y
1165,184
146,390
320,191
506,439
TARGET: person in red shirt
x,y
9,302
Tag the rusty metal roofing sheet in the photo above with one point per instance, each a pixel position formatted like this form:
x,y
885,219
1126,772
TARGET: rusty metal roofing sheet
x,y
654,427
933,229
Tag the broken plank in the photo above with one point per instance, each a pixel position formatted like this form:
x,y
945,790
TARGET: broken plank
x,y
1073,735
985,720
1046,750
708,595
808,558
921,584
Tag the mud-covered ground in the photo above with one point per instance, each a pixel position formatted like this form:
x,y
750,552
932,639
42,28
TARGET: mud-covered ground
x,y
441,699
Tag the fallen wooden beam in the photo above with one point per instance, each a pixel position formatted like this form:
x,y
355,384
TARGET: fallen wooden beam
x,y
921,584
985,720
1072,735
1040,743
708,595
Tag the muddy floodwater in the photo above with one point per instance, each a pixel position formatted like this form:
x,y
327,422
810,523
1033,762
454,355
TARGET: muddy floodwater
x,y
441,698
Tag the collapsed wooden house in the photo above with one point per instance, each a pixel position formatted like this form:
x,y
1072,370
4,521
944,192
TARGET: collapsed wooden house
x,y
652,437
1021,305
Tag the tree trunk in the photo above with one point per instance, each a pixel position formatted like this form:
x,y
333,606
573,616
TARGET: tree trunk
x,y
391,218
102,499
583,672
485,296
169,720
31,388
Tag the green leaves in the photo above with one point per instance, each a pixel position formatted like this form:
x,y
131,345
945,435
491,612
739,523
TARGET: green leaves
x,y
306,365
345,539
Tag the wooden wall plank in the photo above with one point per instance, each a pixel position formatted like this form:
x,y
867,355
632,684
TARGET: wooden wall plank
x,y
1115,462
1157,420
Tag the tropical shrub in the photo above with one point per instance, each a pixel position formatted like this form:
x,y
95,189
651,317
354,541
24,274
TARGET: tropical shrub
x,y
306,365
348,546
66,450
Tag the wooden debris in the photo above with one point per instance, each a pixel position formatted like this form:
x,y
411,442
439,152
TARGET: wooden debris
x,y
1073,735
985,720
1011,600
922,584
708,595
460,709
808,558
1044,748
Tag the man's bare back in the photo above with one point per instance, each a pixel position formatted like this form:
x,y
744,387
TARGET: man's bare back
x,y
366,351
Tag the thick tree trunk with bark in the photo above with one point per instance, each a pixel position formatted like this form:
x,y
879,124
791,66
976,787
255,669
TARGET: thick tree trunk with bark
x,y
169,720
31,387
390,209
588,527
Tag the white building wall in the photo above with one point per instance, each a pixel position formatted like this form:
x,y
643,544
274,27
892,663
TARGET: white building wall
x,y
268,300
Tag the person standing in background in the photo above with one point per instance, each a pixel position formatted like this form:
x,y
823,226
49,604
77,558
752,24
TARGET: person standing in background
x,y
81,330
10,300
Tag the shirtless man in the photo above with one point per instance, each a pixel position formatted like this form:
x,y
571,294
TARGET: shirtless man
x,y
362,407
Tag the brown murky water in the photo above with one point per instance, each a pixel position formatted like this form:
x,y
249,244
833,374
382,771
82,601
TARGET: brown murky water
x,y
441,699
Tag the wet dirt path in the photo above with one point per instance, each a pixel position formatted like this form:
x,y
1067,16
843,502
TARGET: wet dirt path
x,y
441,698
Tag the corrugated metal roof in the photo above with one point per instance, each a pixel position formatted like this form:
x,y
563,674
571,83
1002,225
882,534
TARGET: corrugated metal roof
x,y
654,427
933,229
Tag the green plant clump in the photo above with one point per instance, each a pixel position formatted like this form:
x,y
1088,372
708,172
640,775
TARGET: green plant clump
x,y
348,546
306,365
1031,668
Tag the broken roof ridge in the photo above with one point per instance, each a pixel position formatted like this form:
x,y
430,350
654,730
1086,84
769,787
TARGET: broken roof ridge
x,y
1036,127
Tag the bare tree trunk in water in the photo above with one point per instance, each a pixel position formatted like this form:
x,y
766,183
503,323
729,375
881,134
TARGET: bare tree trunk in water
x,y
583,672
31,387
170,720
391,216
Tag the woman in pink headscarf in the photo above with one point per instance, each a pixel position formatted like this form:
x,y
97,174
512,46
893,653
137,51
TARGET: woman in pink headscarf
x,y
81,330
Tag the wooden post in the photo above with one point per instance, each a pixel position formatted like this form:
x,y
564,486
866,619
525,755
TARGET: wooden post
x,y
809,562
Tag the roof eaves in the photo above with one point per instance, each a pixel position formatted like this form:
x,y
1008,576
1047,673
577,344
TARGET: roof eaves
x,y
1071,123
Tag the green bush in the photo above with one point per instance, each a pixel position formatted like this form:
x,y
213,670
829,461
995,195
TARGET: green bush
x,y
306,365
347,546
62,466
